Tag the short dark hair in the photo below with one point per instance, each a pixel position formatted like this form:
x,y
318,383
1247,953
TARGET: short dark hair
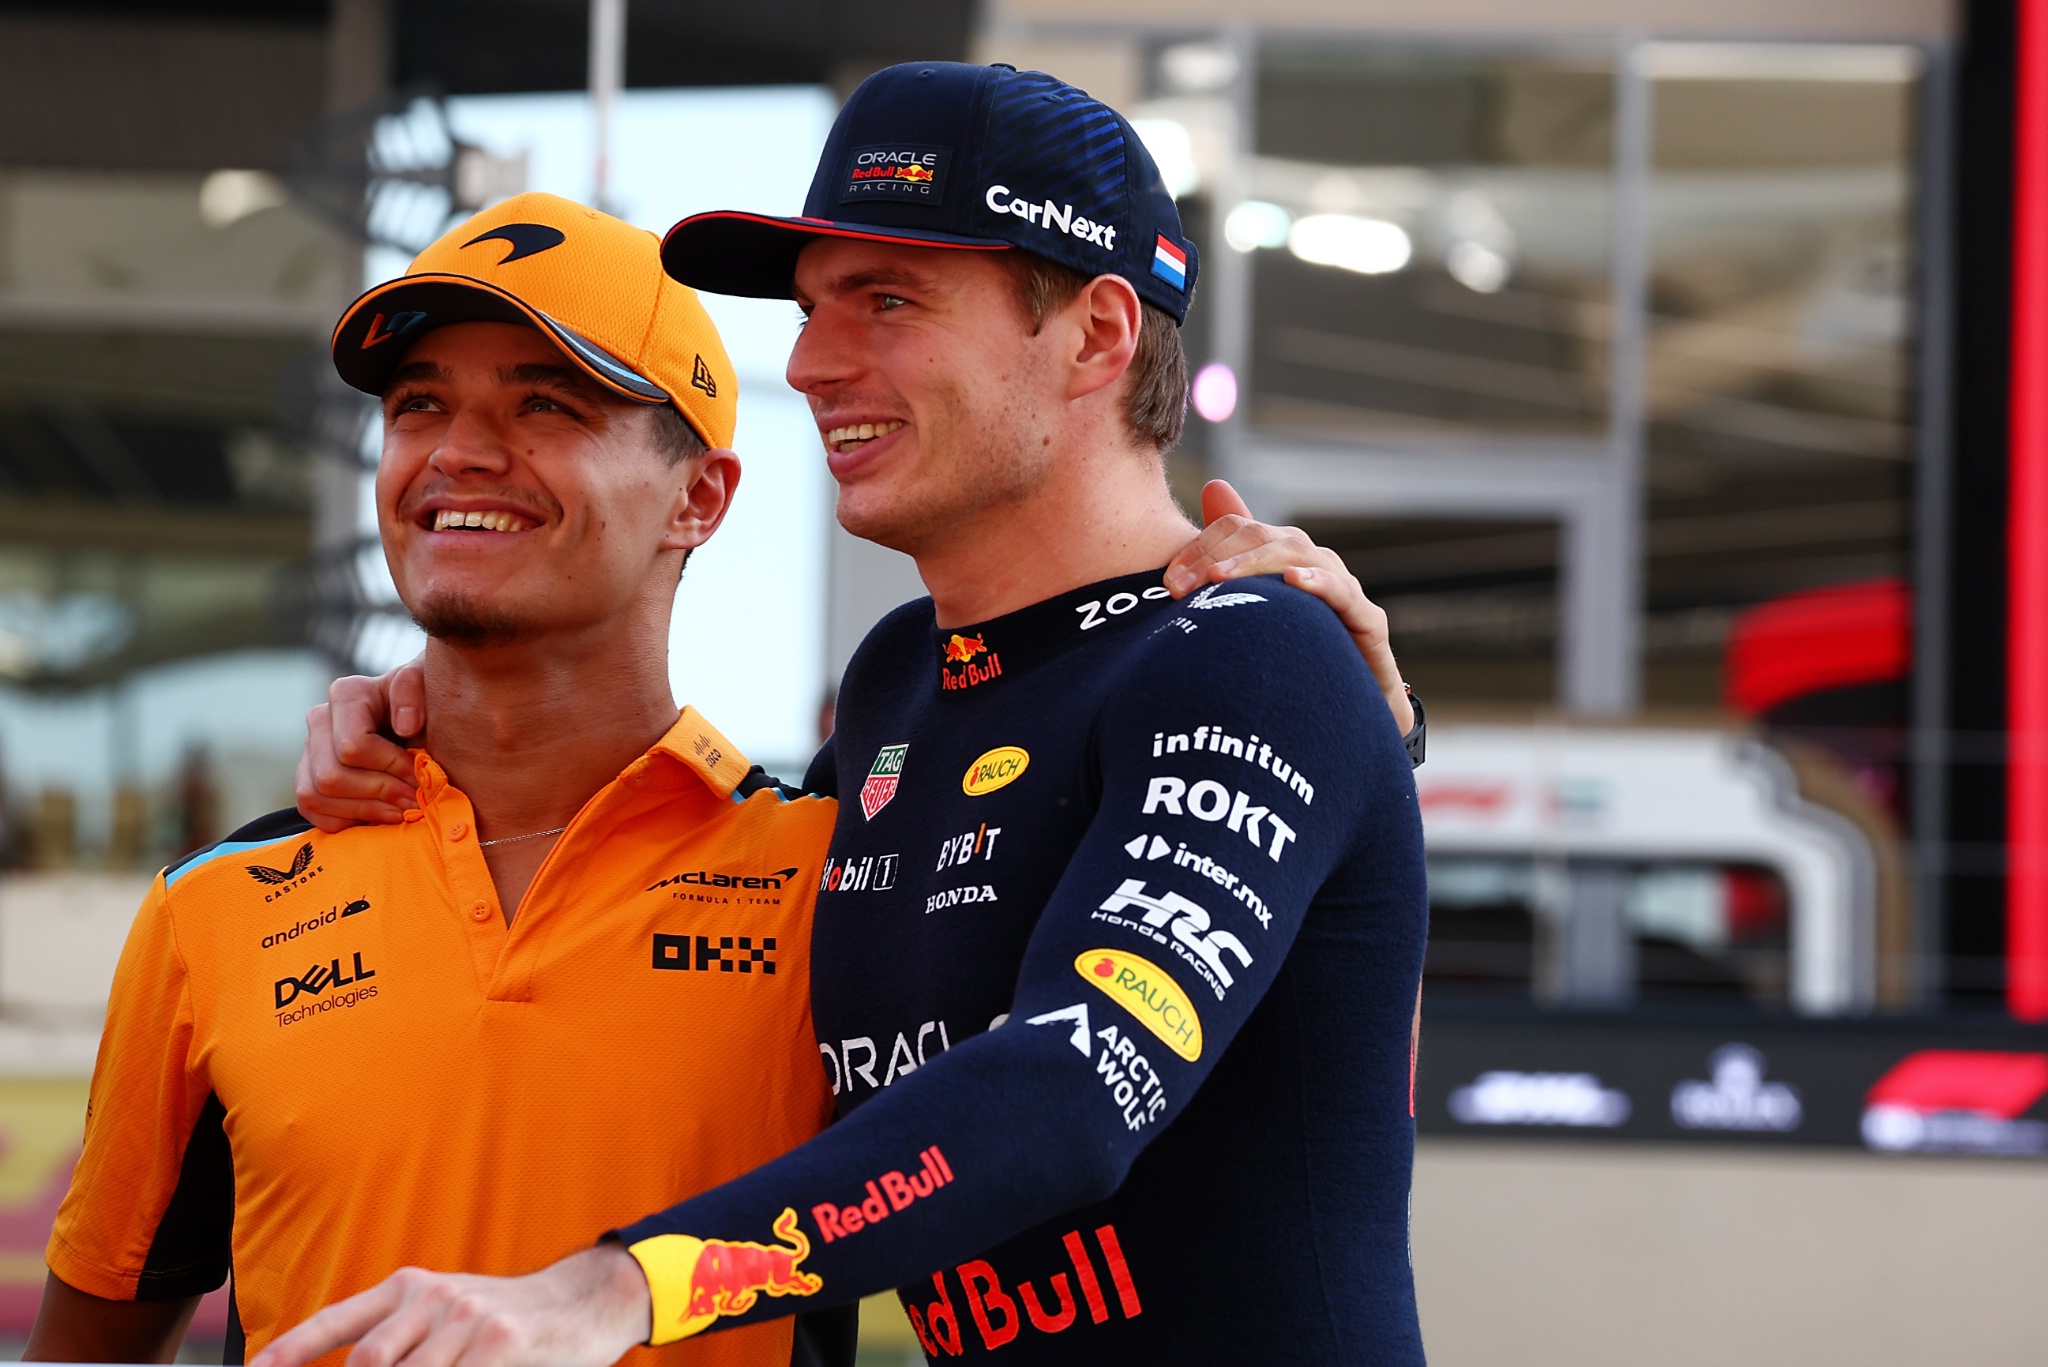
x,y
1156,404
675,441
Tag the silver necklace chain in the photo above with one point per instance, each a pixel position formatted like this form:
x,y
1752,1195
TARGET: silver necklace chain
x,y
530,835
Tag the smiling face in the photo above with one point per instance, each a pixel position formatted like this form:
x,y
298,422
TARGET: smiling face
x,y
937,403
517,498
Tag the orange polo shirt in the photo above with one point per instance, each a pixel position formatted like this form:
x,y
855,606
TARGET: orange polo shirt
x,y
335,1047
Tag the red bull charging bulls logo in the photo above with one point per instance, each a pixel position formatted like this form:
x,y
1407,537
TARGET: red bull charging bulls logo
x,y
699,1281
958,667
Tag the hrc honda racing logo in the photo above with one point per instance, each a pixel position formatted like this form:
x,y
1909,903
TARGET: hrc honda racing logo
x,y
1204,949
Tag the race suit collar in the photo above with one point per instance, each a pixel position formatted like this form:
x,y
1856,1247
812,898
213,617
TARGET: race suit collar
x,y
974,657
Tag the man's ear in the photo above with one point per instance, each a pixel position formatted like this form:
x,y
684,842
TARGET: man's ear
x,y
1105,318
702,500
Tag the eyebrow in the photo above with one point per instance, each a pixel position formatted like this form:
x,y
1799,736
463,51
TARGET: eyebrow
x,y
417,372
884,275
535,372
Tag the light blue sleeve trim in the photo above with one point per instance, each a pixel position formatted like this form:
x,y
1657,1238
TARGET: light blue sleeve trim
x,y
226,847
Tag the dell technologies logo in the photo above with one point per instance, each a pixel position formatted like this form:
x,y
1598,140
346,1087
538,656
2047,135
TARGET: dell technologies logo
x,y
319,979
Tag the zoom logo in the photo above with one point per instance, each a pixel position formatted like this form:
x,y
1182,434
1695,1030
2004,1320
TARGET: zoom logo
x,y
321,978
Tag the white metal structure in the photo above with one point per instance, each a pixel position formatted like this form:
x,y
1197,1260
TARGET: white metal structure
x,y
1646,796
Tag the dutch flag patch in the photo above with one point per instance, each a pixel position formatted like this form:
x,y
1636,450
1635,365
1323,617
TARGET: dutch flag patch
x,y
1170,264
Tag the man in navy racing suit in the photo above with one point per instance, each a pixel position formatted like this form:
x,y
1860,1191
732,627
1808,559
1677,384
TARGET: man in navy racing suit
x,y
1118,948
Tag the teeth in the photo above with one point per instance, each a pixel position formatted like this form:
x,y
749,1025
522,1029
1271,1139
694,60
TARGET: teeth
x,y
866,431
446,519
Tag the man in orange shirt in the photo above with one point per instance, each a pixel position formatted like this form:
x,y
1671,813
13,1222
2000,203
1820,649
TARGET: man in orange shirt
x,y
329,1056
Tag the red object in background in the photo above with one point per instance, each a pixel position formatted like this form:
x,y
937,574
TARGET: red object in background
x,y
1809,642
1932,1080
1755,899
2026,904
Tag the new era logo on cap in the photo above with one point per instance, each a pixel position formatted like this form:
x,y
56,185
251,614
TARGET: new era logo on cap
x,y
1170,263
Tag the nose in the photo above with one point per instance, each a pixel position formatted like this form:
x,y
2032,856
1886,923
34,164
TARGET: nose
x,y
827,353
471,444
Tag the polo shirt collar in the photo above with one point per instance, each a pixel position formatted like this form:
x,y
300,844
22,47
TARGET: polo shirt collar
x,y
692,742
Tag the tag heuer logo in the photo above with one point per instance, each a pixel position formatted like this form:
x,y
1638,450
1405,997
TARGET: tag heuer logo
x,y
882,779
700,378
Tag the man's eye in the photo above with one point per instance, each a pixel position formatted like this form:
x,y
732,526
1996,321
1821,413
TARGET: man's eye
x,y
414,403
891,301
541,403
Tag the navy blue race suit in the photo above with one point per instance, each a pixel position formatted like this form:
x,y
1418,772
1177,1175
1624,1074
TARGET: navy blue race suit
x,y
1115,972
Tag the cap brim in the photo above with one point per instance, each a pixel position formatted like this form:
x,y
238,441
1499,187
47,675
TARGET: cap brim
x,y
754,255
376,331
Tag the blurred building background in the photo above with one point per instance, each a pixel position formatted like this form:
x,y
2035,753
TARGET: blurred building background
x,y
1649,362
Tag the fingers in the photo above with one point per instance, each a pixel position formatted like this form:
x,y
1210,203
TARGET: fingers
x,y
1367,623
430,1329
340,1323
357,710
1220,500
408,693
332,791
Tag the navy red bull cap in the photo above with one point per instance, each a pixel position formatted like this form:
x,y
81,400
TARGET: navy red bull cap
x,y
975,158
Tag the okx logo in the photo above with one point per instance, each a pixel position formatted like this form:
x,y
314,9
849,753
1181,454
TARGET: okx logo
x,y
321,978
719,953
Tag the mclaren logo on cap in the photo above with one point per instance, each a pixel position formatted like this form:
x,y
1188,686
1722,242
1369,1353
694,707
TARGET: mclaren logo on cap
x,y
700,378
400,324
526,239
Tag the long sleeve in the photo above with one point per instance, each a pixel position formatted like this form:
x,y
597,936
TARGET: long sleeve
x,y
1175,914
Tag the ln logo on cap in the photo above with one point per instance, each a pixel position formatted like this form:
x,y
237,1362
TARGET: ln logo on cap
x,y
1170,263
400,324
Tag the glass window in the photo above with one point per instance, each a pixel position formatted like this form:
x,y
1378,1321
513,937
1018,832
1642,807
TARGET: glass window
x,y
1430,241
1778,372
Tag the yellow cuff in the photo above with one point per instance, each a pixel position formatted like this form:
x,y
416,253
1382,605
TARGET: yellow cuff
x,y
695,1282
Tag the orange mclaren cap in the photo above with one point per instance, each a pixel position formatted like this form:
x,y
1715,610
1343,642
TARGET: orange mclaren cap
x,y
592,283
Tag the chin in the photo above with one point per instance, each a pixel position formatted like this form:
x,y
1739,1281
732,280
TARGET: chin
x,y
878,516
461,620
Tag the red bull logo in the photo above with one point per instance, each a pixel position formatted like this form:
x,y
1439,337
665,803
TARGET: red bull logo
x,y
697,1282
895,1192
913,173
998,1313
960,666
